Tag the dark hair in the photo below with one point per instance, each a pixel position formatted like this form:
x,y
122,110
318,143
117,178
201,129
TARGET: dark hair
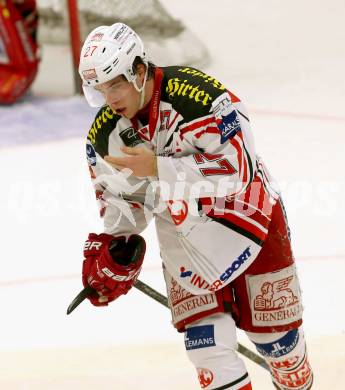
x,y
150,67
139,61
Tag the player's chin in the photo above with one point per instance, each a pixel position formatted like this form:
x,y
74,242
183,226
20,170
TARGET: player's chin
x,y
123,112
128,114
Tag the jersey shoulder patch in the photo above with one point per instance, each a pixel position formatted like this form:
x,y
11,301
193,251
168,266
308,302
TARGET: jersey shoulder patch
x,y
190,91
104,123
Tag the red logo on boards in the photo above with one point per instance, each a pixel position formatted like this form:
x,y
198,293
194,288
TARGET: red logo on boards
x,y
178,210
205,377
275,295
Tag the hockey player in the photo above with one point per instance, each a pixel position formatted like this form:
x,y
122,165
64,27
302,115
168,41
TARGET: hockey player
x,y
18,48
175,144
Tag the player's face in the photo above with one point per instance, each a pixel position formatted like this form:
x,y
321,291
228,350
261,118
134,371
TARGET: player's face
x,y
121,96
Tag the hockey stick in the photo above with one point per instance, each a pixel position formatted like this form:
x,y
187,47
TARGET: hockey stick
x,y
164,301
146,289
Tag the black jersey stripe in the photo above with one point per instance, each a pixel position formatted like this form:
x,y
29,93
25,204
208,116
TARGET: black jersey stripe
x,y
177,129
245,117
238,230
249,160
233,227
229,385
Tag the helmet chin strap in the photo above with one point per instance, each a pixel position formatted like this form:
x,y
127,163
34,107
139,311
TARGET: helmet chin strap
x,y
142,89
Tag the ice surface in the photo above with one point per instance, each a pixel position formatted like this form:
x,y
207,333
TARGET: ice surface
x,y
286,61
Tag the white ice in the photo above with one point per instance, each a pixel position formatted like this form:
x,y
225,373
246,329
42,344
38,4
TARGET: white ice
x,y
286,61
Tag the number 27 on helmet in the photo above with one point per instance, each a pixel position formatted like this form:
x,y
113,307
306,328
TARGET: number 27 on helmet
x,y
108,52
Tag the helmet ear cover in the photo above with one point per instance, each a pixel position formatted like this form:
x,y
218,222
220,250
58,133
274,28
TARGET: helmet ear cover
x,y
108,52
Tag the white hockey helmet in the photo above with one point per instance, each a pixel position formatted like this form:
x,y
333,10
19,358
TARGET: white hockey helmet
x,y
108,52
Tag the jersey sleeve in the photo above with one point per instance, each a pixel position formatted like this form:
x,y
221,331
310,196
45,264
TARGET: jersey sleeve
x,y
119,196
223,161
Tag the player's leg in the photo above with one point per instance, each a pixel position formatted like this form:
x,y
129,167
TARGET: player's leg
x,y
286,355
269,308
211,346
210,335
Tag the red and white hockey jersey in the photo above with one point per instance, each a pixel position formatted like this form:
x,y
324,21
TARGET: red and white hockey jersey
x,y
213,198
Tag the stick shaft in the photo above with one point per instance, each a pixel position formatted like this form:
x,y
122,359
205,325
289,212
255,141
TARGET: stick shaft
x,y
146,289
143,287
157,296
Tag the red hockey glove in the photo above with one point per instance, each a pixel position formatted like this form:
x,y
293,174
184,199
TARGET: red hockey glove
x,y
111,265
